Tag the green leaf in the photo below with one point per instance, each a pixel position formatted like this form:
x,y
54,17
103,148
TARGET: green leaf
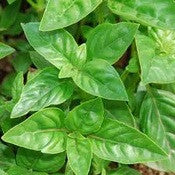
x,y
9,15
6,85
7,157
16,170
99,78
39,61
86,118
120,111
22,62
159,123
76,61
124,170
154,54
2,172
17,87
157,13
110,41
99,164
68,170
40,162
43,131
11,1
118,142
5,50
41,91
79,154
56,47
60,14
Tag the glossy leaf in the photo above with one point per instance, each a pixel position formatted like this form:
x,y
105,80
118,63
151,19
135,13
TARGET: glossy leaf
x,y
118,142
158,13
5,50
76,61
99,78
159,123
43,131
120,111
79,154
7,157
114,41
56,47
41,91
86,118
154,54
40,162
60,14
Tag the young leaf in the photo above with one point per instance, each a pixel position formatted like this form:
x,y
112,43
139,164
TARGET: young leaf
x,y
79,154
41,91
86,118
5,50
120,111
110,41
100,79
60,14
157,13
56,47
40,162
43,131
154,54
7,157
118,142
159,123
76,61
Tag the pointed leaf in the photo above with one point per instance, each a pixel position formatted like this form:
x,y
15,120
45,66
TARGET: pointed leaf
x,y
159,123
43,131
110,41
157,13
60,14
41,91
118,142
100,79
5,50
56,47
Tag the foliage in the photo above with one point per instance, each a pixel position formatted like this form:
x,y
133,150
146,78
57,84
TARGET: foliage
x,y
91,82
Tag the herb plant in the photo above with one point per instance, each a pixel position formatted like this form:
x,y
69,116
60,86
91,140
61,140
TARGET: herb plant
x,y
91,86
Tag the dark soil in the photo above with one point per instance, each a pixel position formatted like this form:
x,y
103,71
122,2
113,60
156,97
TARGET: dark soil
x,y
144,170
